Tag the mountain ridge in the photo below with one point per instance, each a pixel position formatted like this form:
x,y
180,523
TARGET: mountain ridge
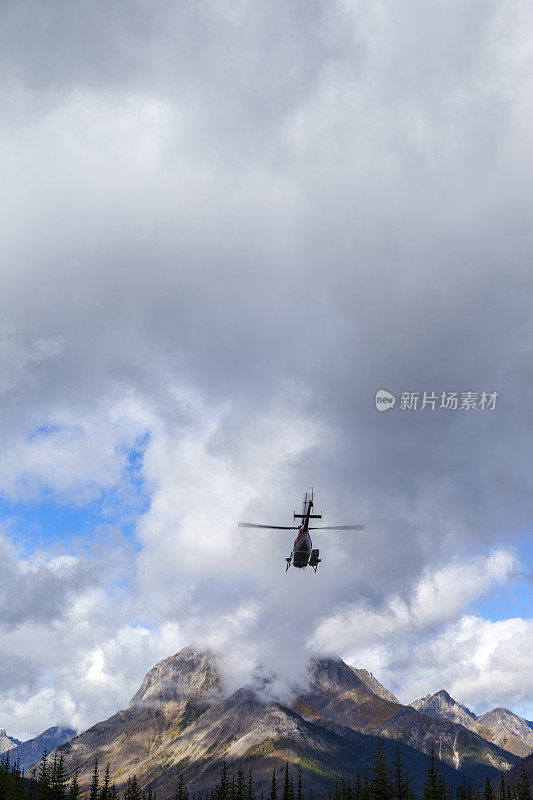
x,y
500,725
180,720
28,753
7,742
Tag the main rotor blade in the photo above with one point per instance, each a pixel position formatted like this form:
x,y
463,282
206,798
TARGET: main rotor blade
x,y
272,527
339,528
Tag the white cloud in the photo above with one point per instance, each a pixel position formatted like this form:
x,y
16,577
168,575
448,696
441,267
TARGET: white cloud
x,y
438,597
480,662
429,643
223,258
73,459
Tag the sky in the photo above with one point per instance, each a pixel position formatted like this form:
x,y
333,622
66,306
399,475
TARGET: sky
x,y
225,227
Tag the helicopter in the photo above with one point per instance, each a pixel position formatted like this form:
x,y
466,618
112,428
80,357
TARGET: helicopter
x,y
303,554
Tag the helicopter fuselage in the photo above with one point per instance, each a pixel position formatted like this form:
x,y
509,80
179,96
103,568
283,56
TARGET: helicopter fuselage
x,y
301,549
303,554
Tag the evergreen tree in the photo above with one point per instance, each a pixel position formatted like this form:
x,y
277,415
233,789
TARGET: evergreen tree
x,y
502,795
433,789
32,793
240,786
74,788
250,787
380,785
358,788
488,791
94,790
131,790
181,791
11,779
299,790
286,787
222,788
106,787
523,786
366,786
58,778
274,787
401,782
43,779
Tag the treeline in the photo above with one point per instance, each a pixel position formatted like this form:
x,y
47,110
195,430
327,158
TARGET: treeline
x,y
391,781
50,782
384,780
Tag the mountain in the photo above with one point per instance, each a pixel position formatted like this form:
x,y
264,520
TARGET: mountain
x,y
509,731
441,705
141,739
187,674
181,720
30,752
500,726
336,692
7,742
374,685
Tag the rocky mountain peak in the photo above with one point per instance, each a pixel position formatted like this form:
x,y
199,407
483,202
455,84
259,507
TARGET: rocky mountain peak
x,y
28,753
442,705
7,742
498,713
331,674
499,726
374,685
509,730
189,674
446,699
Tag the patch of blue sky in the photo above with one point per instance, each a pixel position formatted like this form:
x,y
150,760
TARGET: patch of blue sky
x,y
135,454
511,601
46,430
142,624
48,520
514,599
525,710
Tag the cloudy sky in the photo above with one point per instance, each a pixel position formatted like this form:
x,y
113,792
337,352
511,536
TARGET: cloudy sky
x,y
224,227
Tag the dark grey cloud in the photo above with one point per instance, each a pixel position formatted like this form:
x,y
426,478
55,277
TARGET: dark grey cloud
x,y
41,589
277,210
